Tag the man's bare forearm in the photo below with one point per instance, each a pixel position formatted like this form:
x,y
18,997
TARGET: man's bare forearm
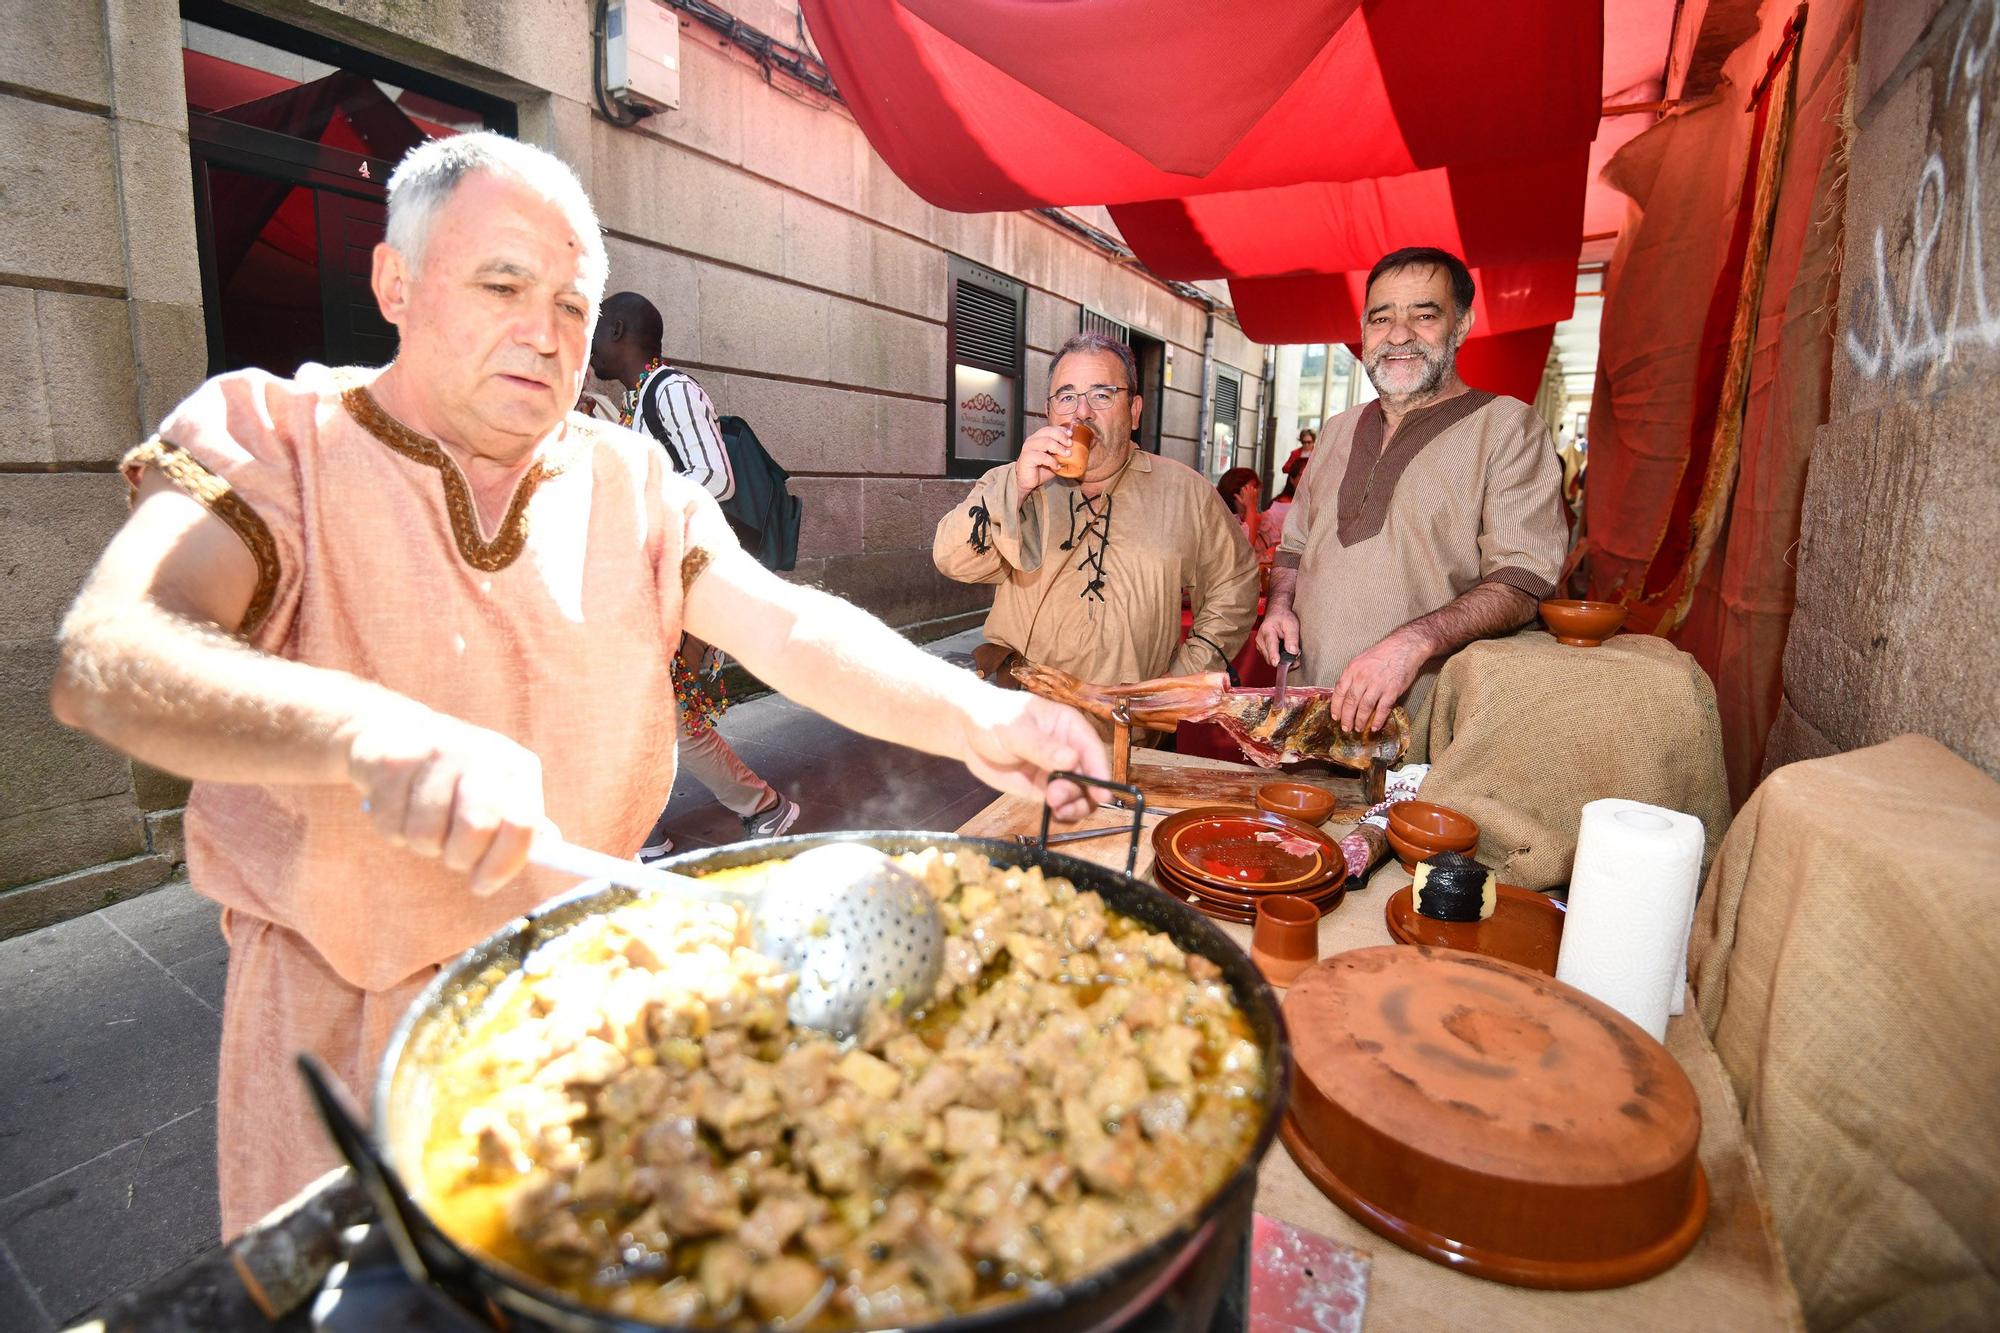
x,y
1479,612
1284,583
190,699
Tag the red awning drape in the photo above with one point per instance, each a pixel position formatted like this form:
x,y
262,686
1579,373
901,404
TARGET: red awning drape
x,y
1508,363
1326,308
984,105
1510,211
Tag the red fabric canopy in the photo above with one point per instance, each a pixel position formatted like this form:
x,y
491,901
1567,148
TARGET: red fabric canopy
x,y
1326,308
984,105
1511,211
1508,363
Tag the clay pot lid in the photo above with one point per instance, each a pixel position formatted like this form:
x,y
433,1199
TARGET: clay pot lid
x,y
1492,1118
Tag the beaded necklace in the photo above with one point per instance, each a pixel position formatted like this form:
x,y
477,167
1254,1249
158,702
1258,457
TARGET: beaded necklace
x,y
633,395
699,693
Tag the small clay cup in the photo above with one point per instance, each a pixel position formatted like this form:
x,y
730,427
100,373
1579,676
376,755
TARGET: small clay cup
x,y
1285,939
1081,437
1582,624
1419,830
1300,800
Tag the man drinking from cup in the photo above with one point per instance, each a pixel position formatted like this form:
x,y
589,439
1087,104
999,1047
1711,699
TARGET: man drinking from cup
x,y
1091,554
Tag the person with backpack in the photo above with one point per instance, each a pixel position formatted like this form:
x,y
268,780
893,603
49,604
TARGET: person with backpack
x,y
665,403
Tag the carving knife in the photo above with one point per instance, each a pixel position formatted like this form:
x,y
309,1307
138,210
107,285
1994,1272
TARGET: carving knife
x,y
1285,661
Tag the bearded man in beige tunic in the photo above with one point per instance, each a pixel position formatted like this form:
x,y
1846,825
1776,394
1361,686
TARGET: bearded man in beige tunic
x,y
1431,517
1091,571
396,623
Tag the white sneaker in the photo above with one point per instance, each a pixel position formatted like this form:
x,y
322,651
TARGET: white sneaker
x,y
661,846
770,823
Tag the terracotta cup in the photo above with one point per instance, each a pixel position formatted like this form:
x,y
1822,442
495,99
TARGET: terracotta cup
x,y
1285,939
1582,624
1081,437
1300,800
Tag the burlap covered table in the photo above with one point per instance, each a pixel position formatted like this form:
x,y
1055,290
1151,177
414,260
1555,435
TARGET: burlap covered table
x,y
1846,956
1734,1277
1523,732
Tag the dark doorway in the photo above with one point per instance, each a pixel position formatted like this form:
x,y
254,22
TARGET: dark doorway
x,y
293,138
1152,357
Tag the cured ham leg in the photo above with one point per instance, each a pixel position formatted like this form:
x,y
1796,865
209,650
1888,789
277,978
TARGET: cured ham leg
x,y
1302,727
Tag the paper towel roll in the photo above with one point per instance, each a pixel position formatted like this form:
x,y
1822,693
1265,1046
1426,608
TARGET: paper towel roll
x,y
1631,904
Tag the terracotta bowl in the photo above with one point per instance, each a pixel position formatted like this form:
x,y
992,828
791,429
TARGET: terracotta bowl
x,y
1428,823
1284,941
1300,800
1419,830
1582,624
1407,853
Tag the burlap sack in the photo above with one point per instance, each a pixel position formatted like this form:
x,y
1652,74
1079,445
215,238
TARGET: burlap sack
x,y
1524,732
1846,959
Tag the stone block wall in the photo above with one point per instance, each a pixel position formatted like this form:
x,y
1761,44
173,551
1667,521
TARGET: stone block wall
x,y
100,334
1899,584
802,283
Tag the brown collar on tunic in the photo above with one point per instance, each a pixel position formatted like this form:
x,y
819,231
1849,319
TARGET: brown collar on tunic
x,y
473,547
1370,481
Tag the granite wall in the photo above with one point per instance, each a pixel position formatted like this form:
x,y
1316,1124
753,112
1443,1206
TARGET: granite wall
x,y
1899,562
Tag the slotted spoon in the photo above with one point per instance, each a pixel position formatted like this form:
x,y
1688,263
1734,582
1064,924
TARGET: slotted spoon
x,y
850,923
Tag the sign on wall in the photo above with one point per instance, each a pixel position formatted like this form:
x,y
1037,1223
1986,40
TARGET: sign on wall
x,y
982,414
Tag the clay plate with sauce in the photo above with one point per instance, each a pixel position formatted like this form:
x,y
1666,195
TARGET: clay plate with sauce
x,y
1247,851
1240,907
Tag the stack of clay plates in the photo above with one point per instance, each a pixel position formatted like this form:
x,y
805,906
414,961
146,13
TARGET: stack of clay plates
x,y
1221,858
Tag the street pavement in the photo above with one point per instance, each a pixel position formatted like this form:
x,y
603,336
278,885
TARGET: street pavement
x,y
108,1047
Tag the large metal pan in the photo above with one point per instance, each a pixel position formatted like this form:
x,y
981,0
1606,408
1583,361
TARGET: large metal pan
x,y
1106,1299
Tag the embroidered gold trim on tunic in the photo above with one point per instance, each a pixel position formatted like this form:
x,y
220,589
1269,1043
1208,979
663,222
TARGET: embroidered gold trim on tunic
x,y
216,495
508,543
692,564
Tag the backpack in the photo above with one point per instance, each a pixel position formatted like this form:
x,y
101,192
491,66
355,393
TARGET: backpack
x,y
763,512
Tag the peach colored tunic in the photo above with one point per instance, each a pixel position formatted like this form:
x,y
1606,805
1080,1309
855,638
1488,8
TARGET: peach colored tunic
x,y
554,630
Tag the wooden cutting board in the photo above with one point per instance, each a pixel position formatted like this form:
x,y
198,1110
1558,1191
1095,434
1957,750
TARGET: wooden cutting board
x,y
1184,786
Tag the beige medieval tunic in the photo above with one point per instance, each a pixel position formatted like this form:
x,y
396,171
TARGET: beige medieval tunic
x,y
554,631
1469,491
1093,587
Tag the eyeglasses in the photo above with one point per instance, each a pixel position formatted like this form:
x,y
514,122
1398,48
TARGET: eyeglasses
x,y
1101,396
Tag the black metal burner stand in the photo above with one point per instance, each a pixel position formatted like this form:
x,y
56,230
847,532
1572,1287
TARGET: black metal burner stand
x,y
371,1294
331,1269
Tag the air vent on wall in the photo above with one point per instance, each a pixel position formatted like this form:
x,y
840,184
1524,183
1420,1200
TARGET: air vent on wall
x,y
988,328
1089,321
1228,399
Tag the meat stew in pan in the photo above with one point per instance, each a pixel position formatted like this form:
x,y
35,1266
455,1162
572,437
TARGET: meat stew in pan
x,y
634,1122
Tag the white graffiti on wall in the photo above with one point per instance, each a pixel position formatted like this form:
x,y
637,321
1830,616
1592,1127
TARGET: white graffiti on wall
x,y
1888,335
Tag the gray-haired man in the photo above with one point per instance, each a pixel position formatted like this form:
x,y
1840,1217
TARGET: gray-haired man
x,y
396,622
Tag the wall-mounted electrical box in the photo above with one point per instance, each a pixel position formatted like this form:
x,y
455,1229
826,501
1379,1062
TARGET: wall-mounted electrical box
x,y
642,54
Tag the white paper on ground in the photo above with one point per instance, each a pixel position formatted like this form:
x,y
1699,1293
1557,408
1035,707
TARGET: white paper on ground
x,y
1631,905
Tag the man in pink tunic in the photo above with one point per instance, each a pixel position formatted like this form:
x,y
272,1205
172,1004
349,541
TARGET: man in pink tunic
x,y
392,622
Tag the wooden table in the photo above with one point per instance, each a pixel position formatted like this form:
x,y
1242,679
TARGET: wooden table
x,y
1734,1278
